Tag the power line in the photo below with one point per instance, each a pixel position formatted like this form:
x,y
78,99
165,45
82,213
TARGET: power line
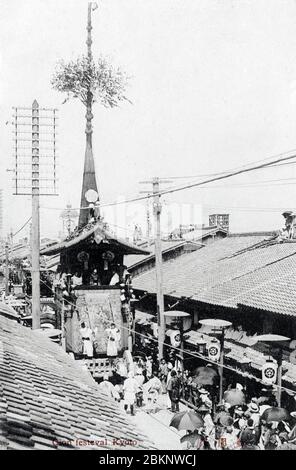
x,y
229,175
22,227
223,172
194,184
281,181
196,355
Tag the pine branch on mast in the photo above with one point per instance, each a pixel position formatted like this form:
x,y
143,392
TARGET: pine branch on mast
x,y
90,80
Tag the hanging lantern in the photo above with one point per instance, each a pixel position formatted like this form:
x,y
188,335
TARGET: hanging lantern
x,y
154,327
130,318
83,257
214,349
175,338
122,295
269,372
107,256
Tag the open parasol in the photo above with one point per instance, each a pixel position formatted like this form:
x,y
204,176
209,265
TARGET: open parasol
x,y
188,420
176,314
223,418
269,338
275,414
195,440
234,397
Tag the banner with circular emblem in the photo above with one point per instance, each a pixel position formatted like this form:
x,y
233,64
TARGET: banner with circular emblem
x,y
269,372
214,350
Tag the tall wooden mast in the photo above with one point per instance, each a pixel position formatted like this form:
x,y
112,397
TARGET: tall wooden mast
x,y
89,174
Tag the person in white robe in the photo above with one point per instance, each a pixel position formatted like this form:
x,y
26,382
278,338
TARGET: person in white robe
x,y
152,390
113,337
108,388
130,388
87,339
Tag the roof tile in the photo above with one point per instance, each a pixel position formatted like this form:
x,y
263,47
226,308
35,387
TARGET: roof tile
x,y
41,397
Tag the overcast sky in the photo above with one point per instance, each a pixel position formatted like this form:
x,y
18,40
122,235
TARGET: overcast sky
x,y
213,87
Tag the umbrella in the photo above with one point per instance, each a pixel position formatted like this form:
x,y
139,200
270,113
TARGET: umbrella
x,y
188,420
176,314
275,414
194,438
263,408
205,376
269,338
215,323
223,418
234,397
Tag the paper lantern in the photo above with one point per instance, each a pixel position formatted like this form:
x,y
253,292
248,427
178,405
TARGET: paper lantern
x,y
269,372
175,338
214,350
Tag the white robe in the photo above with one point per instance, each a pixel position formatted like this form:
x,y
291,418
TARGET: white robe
x,y
88,349
130,388
113,338
108,388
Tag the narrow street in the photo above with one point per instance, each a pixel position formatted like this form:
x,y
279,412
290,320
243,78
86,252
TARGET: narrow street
x,y
156,426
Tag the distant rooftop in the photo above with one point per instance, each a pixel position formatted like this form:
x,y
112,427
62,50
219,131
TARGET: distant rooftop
x,y
253,270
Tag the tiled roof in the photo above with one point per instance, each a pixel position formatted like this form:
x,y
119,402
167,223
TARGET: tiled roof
x,y
87,231
47,398
22,250
8,311
232,271
166,246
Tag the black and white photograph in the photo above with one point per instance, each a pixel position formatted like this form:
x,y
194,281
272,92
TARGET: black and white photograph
x,y
148,228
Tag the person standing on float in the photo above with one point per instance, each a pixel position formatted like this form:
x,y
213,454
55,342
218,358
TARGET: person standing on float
x,y
87,338
113,337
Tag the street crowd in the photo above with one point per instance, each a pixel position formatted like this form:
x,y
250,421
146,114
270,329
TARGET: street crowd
x,y
238,422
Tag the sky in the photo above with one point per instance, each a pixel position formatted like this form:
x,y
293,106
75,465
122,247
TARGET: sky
x,y
213,87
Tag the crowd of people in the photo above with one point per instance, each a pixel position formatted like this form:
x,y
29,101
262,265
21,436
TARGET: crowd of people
x,y
243,427
223,426
143,384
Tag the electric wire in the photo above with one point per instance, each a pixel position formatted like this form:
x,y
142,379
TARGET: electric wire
x,y
171,190
195,355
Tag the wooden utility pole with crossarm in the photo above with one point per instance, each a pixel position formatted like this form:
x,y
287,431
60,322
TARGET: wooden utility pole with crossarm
x,y
158,258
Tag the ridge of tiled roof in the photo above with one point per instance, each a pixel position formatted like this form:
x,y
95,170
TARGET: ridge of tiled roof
x,y
268,233
46,398
213,275
167,246
86,232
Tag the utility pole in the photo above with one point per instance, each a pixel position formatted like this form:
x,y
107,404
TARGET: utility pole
x,y
34,138
148,230
6,268
158,267
158,259
35,241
